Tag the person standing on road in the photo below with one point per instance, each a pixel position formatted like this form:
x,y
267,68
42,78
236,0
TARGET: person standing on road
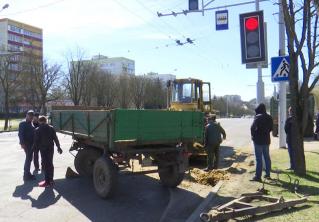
x,y
36,124
316,134
44,139
288,128
260,134
213,138
26,134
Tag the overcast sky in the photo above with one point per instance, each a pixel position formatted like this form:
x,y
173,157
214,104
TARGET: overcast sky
x,y
131,28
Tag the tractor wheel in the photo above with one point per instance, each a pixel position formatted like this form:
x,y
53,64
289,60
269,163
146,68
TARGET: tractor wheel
x,y
104,177
84,161
170,176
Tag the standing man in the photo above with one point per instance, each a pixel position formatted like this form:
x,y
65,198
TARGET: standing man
x,y
260,134
316,135
288,126
44,139
213,138
26,134
36,124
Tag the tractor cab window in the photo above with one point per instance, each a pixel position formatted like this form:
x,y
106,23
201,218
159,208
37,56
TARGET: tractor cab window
x,y
183,92
206,92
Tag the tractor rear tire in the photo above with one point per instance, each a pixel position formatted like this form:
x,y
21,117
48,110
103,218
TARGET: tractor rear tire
x,y
104,177
84,161
170,175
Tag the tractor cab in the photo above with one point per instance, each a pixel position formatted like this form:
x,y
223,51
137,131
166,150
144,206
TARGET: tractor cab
x,y
189,94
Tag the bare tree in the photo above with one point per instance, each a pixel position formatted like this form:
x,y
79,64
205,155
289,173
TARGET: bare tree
x,y
137,88
90,82
45,81
106,89
123,91
76,75
302,47
155,94
9,81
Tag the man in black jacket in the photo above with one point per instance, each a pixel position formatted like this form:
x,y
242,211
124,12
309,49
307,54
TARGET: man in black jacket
x,y
36,124
260,133
26,134
288,128
44,139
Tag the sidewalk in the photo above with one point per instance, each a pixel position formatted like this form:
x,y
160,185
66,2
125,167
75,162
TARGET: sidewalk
x,y
239,181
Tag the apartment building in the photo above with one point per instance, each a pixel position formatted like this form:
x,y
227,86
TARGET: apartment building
x,y
115,65
20,37
21,40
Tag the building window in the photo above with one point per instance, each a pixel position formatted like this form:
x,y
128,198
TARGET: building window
x,y
15,29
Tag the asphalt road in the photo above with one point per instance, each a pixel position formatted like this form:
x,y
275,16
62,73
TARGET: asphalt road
x,y
138,197
238,132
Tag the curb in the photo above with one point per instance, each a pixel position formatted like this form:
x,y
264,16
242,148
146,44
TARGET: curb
x,y
195,215
9,131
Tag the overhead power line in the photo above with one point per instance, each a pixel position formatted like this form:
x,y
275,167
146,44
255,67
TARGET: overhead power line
x,y
35,8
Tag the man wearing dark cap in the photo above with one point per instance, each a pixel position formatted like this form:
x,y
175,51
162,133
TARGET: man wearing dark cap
x,y
44,139
26,134
260,134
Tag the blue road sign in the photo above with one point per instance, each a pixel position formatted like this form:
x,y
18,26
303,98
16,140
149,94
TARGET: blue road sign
x,y
221,20
280,68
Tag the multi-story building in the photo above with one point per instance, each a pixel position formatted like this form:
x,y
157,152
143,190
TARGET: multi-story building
x,y
163,77
115,65
19,37
20,41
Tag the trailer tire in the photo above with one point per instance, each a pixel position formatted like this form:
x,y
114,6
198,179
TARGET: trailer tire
x,y
104,177
84,161
170,175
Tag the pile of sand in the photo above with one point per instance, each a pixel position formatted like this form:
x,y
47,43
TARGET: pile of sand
x,y
208,178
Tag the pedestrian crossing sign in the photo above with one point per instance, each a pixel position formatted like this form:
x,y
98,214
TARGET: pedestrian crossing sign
x,y
280,68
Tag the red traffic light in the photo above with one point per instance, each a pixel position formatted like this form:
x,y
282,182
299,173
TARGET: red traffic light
x,y
252,23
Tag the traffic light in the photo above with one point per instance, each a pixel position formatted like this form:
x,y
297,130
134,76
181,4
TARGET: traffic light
x,y
192,5
252,37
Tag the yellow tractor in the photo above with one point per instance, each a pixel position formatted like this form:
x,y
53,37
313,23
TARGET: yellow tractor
x,y
190,94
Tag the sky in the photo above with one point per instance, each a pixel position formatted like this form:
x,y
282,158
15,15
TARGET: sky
x,y
132,29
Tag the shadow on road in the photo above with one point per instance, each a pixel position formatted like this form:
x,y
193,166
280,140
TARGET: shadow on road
x,y
24,189
228,156
137,198
45,199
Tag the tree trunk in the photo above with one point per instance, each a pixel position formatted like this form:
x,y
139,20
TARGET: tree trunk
x,y
297,114
6,108
298,147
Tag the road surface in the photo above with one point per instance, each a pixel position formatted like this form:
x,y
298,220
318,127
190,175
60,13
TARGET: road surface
x,y
138,197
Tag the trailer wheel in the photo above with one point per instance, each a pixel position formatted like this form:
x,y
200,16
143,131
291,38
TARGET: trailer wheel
x,y
104,177
84,161
170,175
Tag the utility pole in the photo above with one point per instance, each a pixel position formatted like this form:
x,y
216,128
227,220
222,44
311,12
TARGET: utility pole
x,y
282,85
260,86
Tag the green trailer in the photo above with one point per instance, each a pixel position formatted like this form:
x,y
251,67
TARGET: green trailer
x,y
107,140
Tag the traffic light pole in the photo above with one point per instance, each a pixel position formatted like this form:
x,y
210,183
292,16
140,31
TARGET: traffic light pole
x,y
260,84
282,85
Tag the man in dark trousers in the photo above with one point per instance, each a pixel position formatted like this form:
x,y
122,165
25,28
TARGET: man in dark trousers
x,y
288,128
260,134
213,138
44,139
36,124
316,134
26,134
